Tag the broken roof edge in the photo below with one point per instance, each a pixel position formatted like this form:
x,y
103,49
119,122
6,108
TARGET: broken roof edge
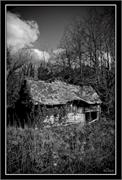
x,y
78,98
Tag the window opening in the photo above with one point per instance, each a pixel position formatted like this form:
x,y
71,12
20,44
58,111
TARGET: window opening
x,y
93,115
90,116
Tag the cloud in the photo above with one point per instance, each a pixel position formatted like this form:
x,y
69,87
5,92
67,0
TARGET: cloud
x,y
40,55
59,51
20,33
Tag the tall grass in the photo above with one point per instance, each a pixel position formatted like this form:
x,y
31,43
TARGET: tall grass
x,y
69,150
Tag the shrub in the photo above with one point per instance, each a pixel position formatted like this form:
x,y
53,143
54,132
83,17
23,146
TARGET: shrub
x,y
65,149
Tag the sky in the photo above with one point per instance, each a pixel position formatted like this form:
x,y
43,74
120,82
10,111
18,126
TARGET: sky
x,y
51,21
40,27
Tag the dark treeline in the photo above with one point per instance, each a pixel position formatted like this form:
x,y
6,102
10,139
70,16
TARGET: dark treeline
x,y
88,57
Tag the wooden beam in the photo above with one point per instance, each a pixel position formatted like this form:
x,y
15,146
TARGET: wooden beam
x,y
98,115
90,115
92,110
93,121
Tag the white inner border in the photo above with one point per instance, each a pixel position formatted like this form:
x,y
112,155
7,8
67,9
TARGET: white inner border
x,y
57,5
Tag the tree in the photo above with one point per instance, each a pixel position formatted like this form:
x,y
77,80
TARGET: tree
x,y
14,78
101,47
66,44
71,42
16,61
89,44
43,72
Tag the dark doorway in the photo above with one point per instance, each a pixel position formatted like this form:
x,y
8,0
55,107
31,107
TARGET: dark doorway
x,y
88,117
93,115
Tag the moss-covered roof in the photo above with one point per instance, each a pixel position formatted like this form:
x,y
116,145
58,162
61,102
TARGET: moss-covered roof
x,y
59,92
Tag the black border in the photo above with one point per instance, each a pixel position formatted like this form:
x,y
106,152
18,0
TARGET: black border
x,y
118,50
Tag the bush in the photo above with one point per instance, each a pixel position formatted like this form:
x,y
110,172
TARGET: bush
x,y
63,150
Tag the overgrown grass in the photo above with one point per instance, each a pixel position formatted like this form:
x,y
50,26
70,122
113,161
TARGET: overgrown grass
x,y
62,150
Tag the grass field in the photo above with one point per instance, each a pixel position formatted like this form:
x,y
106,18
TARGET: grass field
x,y
62,150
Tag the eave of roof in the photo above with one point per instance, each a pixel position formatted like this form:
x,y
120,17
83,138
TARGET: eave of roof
x,y
59,92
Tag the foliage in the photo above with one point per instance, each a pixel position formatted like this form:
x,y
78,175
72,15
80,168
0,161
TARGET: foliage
x,y
16,63
64,150
44,73
92,55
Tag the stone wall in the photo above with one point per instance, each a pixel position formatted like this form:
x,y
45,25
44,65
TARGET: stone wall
x,y
75,117
70,118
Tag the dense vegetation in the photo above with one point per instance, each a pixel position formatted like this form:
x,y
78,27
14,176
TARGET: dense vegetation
x,y
65,150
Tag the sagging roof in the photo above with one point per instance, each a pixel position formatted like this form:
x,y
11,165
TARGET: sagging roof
x,y
59,92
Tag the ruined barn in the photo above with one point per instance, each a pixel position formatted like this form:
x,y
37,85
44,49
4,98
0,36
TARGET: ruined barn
x,y
64,103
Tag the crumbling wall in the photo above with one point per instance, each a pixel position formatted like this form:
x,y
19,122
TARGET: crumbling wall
x,y
75,117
